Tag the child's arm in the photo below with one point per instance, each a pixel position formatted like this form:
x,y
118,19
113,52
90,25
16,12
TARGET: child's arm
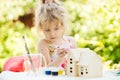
x,y
42,48
60,58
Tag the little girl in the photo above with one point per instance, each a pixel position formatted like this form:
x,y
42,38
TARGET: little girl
x,y
52,21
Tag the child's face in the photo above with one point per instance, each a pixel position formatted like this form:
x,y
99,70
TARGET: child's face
x,y
53,32
48,1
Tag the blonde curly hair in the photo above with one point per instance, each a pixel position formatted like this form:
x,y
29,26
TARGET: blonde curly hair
x,y
50,13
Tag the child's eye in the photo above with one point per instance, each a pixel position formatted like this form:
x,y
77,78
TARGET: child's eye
x,y
47,30
56,28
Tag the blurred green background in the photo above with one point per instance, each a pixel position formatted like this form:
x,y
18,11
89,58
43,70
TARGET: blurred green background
x,y
95,24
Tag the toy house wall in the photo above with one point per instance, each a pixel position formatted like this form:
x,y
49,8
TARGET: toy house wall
x,y
95,69
91,63
71,67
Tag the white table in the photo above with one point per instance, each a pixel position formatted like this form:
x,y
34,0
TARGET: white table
x,y
7,75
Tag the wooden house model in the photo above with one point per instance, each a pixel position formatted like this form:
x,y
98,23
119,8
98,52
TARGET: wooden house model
x,y
83,62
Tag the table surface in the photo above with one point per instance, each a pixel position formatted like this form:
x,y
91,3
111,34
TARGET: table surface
x,y
7,75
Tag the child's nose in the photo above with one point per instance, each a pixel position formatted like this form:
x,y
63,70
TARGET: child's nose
x,y
52,33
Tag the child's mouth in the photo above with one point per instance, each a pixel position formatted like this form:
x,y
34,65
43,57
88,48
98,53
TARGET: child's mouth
x,y
53,38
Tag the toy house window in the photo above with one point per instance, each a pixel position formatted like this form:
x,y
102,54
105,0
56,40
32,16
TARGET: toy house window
x,y
81,73
70,71
70,67
86,71
70,60
81,68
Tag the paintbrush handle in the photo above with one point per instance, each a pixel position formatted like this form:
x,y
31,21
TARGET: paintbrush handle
x,y
28,54
32,65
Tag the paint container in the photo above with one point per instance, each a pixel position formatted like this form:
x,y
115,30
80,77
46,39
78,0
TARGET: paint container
x,y
118,73
47,72
60,71
54,71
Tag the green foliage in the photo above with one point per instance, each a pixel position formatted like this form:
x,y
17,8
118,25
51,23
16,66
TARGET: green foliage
x,y
11,10
12,30
95,24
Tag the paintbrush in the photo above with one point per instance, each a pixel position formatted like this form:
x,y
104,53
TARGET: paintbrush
x,y
28,54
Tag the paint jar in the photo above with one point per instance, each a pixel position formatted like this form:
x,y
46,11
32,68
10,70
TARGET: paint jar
x,y
61,71
48,71
54,71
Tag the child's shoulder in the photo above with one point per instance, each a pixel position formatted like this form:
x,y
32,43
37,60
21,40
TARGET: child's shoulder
x,y
42,42
42,46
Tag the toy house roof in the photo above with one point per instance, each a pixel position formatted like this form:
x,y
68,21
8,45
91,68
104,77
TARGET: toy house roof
x,y
76,53
84,55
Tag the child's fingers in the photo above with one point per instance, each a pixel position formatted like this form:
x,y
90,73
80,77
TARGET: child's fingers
x,y
62,52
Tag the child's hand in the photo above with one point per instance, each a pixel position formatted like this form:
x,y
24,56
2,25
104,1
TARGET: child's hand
x,y
62,52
